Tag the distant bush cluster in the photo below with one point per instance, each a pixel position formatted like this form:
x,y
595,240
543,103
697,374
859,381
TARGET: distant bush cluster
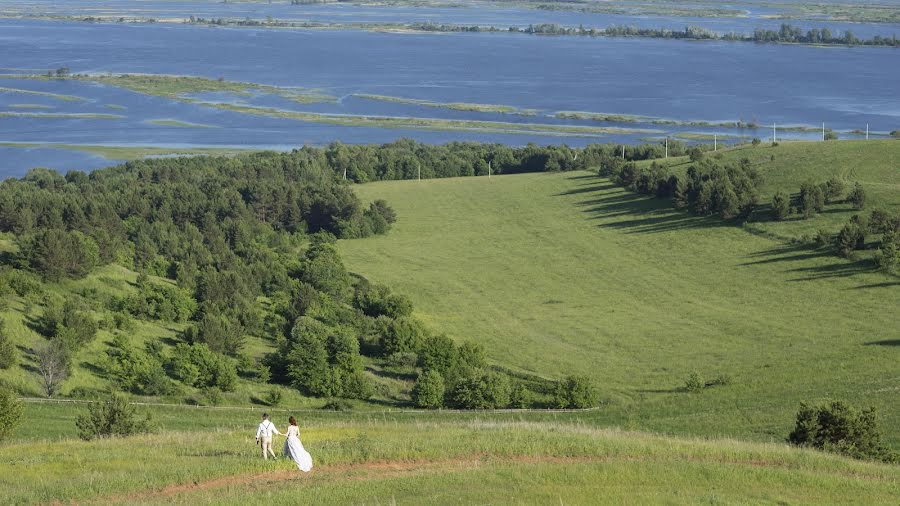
x,y
708,188
840,428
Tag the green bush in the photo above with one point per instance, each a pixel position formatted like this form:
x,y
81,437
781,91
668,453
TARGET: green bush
x,y
481,390
197,365
9,356
857,197
429,390
851,237
833,189
114,416
520,397
694,383
840,428
273,397
439,354
220,332
134,370
56,254
405,334
11,410
812,199
780,206
575,392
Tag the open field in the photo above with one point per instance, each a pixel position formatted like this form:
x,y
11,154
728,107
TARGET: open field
x,y
432,459
565,272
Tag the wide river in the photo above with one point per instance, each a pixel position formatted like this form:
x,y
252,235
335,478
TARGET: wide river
x,y
847,88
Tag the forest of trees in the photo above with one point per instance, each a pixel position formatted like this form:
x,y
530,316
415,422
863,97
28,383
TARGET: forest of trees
x,y
245,246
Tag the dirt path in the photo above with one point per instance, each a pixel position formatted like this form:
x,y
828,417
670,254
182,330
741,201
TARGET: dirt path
x,y
344,472
386,469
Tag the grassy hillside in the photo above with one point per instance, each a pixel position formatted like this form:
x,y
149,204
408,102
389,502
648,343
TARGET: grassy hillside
x,y
560,273
873,164
427,458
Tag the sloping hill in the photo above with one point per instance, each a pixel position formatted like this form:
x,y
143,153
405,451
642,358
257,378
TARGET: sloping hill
x,y
560,273
433,459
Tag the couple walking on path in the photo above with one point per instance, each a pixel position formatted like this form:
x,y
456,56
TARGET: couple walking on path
x,y
293,448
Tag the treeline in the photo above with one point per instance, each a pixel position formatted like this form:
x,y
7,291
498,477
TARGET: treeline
x,y
707,187
786,34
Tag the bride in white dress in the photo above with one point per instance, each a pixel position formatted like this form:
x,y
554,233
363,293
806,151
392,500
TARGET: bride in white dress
x,y
293,448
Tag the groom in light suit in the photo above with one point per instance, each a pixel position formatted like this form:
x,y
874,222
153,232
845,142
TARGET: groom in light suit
x,y
264,436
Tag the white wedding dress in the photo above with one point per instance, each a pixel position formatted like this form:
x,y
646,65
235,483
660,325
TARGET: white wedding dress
x,y
293,449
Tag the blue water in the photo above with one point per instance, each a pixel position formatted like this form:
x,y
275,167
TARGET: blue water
x,y
844,87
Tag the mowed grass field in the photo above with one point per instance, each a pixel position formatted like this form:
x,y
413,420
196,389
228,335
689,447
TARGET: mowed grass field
x,y
566,273
206,457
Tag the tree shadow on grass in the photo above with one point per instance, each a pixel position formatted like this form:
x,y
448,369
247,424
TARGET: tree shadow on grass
x,y
587,188
832,270
583,176
786,253
884,342
885,284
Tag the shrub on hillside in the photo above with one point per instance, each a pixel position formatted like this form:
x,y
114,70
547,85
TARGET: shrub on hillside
x,y
694,383
833,189
575,392
114,416
812,199
134,370
438,353
840,428
57,254
8,353
851,238
780,206
11,410
429,390
221,332
197,365
480,390
857,196
69,323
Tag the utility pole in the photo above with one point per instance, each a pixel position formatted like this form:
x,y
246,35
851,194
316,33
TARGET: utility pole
x,y
823,130
867,131
667,146
715,142
345,173
773,133
623,151
419,172
489,169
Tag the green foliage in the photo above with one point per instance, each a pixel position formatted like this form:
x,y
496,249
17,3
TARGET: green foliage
x,y
812,199
155,301
438,354
833,189
780,206
840,428
57,254
273,397
520,397
429,390
830,135
694,383
322,361
377,300
197,365
113,417
887,257
851,238
478,389
401,335
9,356
323,269
575,392
11,410
220,332
134,370
857,196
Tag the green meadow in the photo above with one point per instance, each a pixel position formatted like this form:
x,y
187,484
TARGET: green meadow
x,y
428,459
566,273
